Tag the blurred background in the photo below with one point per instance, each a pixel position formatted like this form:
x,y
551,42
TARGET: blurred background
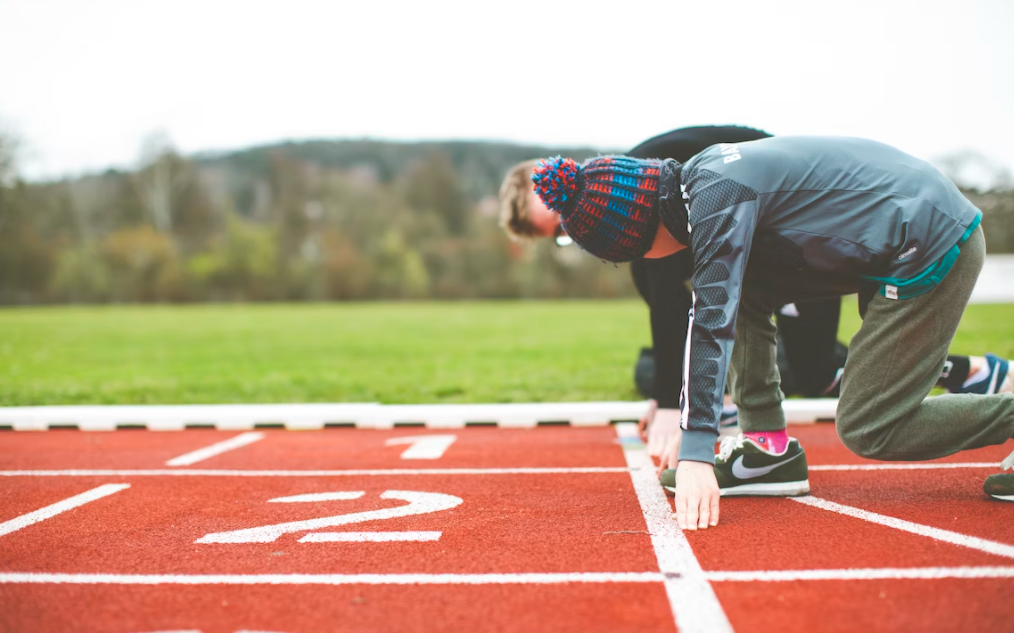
x,y
326,151
244,201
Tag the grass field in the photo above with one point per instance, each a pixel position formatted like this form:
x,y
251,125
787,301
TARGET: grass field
x,y
389,353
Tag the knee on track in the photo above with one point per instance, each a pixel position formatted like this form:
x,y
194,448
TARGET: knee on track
x,y
861,438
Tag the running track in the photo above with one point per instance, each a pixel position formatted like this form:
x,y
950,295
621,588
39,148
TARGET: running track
x,y
545,529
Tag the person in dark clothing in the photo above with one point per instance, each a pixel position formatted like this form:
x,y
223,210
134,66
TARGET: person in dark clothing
x,y
810,358
808,341
788,220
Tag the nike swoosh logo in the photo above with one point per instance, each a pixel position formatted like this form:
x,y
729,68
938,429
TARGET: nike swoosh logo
x,y
745,472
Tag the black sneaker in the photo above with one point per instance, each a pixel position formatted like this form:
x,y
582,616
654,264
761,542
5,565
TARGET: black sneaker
x,y
1001,486
745,468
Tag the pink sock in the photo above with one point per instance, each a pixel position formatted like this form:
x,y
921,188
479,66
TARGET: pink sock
x,y
772,441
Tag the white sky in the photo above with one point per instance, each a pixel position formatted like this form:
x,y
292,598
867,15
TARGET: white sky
x,y
82,82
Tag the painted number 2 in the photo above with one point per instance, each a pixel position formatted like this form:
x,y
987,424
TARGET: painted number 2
x,y
418,503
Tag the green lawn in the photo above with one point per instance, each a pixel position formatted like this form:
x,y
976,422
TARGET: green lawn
x,y
383,352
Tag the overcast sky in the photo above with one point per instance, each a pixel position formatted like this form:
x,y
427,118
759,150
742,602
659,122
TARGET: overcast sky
x,y
84,81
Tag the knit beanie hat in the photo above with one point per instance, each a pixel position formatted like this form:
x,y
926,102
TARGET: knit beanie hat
x,y
609,205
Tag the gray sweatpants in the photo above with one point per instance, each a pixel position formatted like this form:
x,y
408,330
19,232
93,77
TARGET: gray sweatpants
x,y
894,361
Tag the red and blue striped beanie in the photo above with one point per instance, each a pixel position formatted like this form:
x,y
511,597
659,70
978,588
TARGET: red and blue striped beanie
x,y
609,205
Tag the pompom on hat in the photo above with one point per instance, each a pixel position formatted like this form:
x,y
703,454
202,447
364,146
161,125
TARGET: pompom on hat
x,y
609,205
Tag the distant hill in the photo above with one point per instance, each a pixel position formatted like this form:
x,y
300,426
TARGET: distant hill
x,y
480,164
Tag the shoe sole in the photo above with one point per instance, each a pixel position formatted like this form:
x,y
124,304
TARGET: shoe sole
x,y
782,489
1003,497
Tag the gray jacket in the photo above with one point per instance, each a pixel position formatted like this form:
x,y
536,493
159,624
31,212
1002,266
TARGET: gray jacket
x,y
799,218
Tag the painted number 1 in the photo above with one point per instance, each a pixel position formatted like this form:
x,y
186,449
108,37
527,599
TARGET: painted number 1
x,y
418,503
423,446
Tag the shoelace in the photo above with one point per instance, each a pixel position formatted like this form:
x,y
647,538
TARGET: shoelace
x,y
730,444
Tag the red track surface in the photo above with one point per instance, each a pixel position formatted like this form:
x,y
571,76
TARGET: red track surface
x,y
506,523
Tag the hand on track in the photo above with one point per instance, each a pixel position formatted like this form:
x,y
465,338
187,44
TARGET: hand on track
x,y
664,436
645,422
697,496
671,455
665,424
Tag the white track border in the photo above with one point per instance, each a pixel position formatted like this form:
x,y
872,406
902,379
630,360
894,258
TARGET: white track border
x,y
296,417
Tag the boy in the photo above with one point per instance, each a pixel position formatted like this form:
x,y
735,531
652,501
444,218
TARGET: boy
x,y
810,358
810,355
815,217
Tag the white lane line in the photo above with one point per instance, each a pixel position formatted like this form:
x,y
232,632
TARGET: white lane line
x,y
694,604
423,446
331,579
886,573
369,537
905,466
61,506
946,536
195,472
218,448
913,573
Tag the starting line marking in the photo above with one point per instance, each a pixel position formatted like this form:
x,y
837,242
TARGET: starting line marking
x,y
193,472
909,573
946,536
330,579
886,573
369,537
380,472
59,507
921,466
224,446
694,604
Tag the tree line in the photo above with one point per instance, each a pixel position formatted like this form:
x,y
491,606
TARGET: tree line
x,y
316,221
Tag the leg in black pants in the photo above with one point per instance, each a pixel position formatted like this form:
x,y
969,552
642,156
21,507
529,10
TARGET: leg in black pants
x,y
662,284
809,352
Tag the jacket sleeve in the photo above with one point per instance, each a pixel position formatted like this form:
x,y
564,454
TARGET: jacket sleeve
x,y
723,216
